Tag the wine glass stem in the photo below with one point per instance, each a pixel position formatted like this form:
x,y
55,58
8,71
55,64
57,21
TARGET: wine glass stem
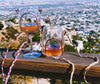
x,y
30,36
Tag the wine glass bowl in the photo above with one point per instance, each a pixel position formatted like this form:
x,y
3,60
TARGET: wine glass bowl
x,y
30,24
52,41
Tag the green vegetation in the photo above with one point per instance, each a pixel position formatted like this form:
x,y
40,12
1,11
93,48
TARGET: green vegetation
x,y
12,20
92,32
53,41
29,20
48,21
74,24
88,46
98,22
11,32
69,48
75,82
14,45
22,38
36,37
74,21
76,37
68,26
3,33
2,39
1,26
21,79
4,44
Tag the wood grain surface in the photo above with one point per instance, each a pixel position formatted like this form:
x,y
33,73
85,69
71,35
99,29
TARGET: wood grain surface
x,y
56,66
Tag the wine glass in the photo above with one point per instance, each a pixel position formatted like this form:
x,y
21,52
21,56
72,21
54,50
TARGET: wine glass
x,y
29,23
52,41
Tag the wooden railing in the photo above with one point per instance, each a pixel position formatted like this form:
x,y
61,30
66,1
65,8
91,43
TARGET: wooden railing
x,y
50,68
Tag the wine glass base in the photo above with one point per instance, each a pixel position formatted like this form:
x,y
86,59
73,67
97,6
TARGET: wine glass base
x,y
32,55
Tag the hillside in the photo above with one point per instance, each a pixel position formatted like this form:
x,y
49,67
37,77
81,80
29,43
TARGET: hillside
x,y
5,31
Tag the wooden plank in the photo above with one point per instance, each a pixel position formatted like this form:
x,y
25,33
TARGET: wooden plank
x,y
55,66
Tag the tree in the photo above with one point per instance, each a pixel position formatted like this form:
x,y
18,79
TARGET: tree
x,y
69,48
76,37
91,40
92,32
12,20
74,41
88,46
1,26
36,37
48,21
74,24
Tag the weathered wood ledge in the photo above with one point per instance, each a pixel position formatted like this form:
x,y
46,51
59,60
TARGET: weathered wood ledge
x,y
46,65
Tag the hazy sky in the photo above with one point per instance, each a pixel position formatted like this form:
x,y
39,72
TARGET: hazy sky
x,y
51,0
47,1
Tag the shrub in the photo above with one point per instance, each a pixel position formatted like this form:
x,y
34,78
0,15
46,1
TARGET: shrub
x,y
69,48
14,45
1,26
12,19
22,38
2,39
76,37
3,33
11,32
